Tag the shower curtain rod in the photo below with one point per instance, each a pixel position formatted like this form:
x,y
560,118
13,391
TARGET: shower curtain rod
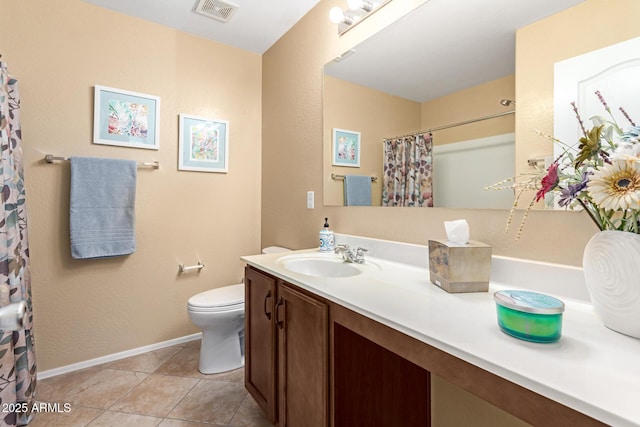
x,y
466,122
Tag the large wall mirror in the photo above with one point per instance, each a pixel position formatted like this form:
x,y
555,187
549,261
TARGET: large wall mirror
x,y
441,68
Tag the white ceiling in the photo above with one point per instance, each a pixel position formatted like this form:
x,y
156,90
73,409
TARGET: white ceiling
x,y
255,27
441,47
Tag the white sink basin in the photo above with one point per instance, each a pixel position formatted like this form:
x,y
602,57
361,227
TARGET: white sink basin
x,y
321,265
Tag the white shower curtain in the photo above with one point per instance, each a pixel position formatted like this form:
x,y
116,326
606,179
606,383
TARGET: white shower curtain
x,y
17,353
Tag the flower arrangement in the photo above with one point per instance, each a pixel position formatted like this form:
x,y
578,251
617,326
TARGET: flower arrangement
x,y
601,175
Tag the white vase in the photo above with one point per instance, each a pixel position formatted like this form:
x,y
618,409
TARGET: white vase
x,y
611,265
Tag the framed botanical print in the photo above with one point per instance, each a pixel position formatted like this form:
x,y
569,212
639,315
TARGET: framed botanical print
x,y
203,144
125,118
346,148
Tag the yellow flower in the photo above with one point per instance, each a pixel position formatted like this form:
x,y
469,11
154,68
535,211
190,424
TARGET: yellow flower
x,y
616,185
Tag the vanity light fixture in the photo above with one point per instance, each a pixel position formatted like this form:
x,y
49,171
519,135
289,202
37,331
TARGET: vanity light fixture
x,y
337,16
360,4
357,10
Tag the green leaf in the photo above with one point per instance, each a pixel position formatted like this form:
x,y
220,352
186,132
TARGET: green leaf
x,y
12,219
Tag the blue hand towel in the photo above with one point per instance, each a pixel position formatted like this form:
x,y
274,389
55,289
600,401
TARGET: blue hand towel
x,y
102,207
357,190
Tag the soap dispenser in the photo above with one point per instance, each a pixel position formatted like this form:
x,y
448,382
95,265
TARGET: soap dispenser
x,y
326,238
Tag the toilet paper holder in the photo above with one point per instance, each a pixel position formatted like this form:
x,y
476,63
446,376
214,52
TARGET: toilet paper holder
x,y
183,269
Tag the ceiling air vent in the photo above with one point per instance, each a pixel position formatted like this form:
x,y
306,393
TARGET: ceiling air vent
x,y
216,9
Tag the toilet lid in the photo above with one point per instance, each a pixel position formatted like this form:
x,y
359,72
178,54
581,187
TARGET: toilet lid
x,y
219,297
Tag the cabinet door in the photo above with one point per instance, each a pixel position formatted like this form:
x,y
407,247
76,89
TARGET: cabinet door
x,y
374,387
303,336
260,340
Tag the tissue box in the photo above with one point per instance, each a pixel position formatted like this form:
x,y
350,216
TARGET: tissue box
x,y
460,267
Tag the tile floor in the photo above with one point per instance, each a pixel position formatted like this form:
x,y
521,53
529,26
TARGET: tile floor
x,y
159,388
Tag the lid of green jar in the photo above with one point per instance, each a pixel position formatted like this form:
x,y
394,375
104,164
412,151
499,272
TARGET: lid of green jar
x,y
529,302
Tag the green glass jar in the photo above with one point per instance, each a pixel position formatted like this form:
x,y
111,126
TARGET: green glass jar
x,y
529,316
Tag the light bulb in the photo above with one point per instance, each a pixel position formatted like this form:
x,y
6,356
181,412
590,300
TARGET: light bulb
x,y
336,15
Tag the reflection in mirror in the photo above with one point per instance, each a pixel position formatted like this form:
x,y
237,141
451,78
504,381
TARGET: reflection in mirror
x,y
463,169
421,73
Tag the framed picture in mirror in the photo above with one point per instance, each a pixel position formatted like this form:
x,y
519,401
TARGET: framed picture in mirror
x,y
346,148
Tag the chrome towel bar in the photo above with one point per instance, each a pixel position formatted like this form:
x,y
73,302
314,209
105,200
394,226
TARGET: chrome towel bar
x,y
50,158
336,176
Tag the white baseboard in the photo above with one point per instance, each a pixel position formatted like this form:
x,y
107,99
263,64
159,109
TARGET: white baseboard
x,y
116,356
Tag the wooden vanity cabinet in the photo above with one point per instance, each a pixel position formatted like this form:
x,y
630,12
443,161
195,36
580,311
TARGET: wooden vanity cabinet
x,y
260,340
373,386
310,362
303,353
286,351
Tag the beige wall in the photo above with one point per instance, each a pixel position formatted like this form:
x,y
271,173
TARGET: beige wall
x,y
468,104
89,308
377,116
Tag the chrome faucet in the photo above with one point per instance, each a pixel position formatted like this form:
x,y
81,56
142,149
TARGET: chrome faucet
x,y
349,256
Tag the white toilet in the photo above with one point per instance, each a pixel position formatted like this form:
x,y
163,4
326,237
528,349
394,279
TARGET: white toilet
x,y
220,314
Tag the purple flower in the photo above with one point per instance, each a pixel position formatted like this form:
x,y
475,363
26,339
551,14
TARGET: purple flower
x,y
568,195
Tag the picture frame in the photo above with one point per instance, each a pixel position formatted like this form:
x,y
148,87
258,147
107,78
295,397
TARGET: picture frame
x,y
203,144
126,119
345,148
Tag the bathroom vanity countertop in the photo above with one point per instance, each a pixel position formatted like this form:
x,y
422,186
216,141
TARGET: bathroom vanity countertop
x,y
591,369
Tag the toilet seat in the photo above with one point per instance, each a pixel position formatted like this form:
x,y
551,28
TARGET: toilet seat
x,y
224,309
226,298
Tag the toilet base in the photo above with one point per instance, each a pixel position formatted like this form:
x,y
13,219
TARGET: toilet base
x,y
225,354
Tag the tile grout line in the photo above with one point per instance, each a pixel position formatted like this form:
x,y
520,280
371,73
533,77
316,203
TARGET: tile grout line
x,y
180,401
238,408
128,391
154,372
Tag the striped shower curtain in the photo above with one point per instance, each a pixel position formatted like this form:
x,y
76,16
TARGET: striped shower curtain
x,y
17,353
408,171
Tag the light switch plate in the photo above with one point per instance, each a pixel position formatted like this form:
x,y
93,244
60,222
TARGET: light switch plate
x,y
310,199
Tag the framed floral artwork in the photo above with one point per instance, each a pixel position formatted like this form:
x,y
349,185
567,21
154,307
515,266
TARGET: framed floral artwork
x,y
125,118
346,148
203,144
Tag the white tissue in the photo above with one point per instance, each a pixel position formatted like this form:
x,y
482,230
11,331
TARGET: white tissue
x,y
457,231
